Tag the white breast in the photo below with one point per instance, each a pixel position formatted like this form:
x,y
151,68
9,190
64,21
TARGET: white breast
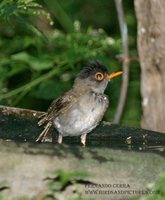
x,y
83,116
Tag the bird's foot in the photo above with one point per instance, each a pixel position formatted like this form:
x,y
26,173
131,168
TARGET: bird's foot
x,y
60,139
83,139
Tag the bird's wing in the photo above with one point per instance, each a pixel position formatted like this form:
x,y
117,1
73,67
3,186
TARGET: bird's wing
x,y
58,106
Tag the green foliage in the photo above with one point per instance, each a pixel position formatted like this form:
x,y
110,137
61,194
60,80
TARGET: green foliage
x,y
64,179
20,9
158,189
30,54
42,50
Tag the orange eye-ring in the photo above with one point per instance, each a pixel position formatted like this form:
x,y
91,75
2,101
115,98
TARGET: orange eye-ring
x,y
99,76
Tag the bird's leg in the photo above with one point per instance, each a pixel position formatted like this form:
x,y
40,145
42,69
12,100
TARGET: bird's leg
x,y
83,139
59,138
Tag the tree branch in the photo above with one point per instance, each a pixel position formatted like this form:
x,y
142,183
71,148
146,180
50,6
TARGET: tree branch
x,y
126,61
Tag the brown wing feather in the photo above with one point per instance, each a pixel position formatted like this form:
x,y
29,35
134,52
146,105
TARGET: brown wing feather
x,y
57,106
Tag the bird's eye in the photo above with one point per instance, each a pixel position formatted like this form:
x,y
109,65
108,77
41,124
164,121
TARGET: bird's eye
x,y
99,76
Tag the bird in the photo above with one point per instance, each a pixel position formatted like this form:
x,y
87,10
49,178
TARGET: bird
x,y
78,111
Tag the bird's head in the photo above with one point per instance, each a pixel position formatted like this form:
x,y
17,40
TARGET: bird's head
x,y
95,76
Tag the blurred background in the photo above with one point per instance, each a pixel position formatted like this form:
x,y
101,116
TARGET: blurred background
x,y
44,44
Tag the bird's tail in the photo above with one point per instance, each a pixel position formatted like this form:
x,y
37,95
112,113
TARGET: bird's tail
x,y
45,136
43,119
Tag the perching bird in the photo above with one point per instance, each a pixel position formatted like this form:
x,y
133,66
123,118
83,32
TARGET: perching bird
x,y
79,110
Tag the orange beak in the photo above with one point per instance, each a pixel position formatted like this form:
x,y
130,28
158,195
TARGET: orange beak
x,y
114,74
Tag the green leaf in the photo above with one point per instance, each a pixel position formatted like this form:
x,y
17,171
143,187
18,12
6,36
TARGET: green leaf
x,y
65,176
35,63
22,56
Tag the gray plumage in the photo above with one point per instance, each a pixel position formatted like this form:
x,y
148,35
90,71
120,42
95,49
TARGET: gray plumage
x,y
79,110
